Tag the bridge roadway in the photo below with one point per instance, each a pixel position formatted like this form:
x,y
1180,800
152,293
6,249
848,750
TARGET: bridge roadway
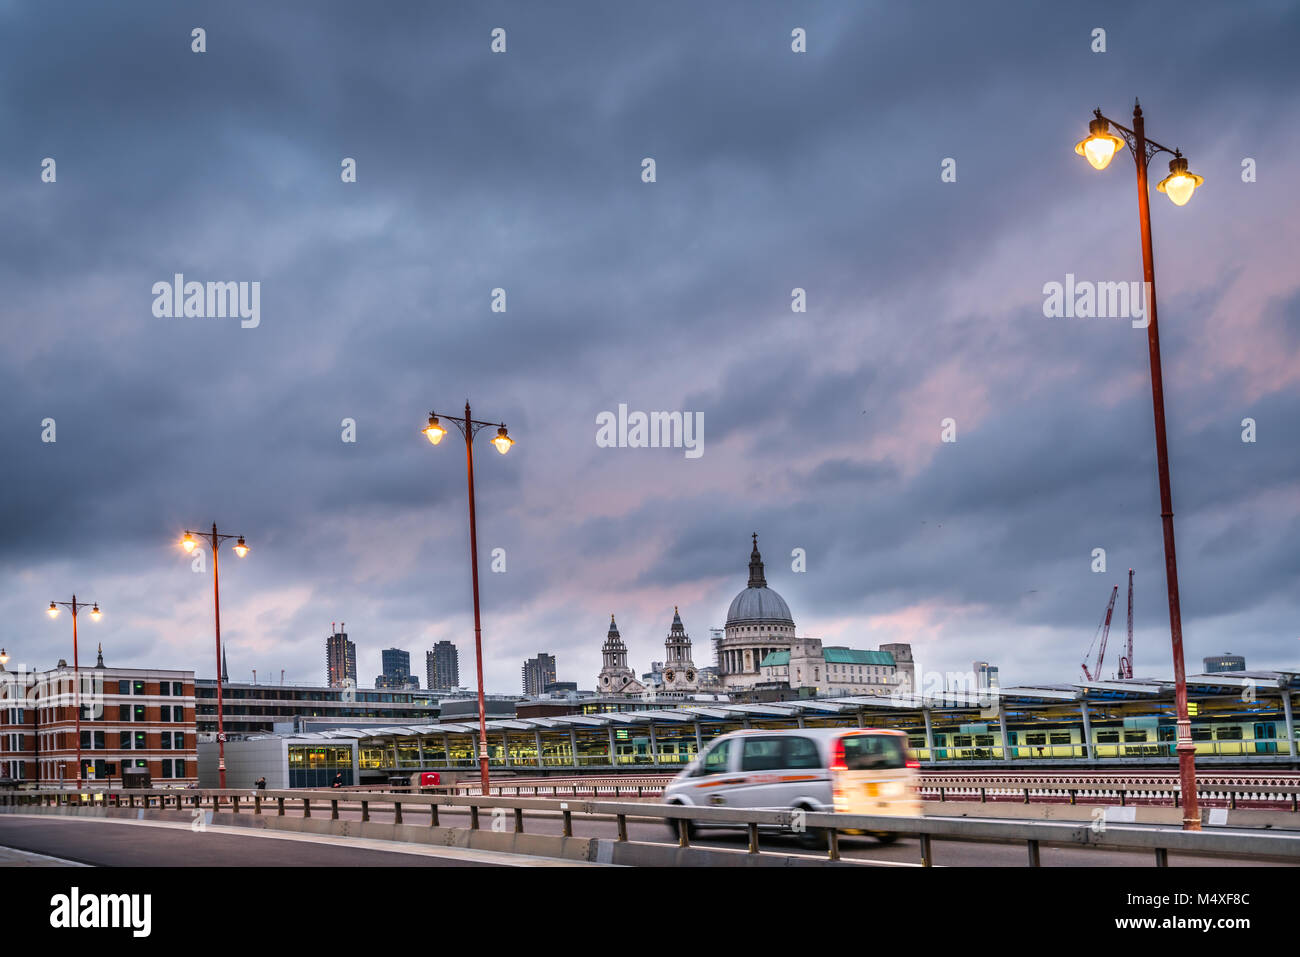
x,y
103,842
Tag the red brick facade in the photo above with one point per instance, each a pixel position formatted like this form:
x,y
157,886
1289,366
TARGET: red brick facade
x,y
131,718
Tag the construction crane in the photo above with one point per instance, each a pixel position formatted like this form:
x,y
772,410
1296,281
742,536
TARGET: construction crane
x,y
1126,662
1104,629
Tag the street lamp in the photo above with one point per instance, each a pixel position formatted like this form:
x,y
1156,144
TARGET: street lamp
x,y
1098,148
188,542
469,428
95,613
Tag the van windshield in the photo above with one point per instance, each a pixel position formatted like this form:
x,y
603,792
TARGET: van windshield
x,y
869,752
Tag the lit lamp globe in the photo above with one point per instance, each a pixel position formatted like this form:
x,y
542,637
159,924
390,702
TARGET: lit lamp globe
x,y
503,441
1179,184
1099,146
188,542
434,431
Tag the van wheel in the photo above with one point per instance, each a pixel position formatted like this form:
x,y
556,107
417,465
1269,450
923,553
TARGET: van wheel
x,y
814,838
692,832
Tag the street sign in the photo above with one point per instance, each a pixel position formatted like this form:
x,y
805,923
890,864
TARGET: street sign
x,y
221,736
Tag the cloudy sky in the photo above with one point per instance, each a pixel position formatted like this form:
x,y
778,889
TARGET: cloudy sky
x,y
522,171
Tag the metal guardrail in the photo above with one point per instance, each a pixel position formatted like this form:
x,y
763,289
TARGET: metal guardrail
x,y
1074,788
1231,790
1033,834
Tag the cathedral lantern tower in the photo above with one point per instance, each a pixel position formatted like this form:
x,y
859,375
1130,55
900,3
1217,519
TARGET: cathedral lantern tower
x,y
679,669
615,676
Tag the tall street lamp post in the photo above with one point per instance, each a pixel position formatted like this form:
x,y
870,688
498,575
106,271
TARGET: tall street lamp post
x,y
469,428
1098,147
75,607
241,549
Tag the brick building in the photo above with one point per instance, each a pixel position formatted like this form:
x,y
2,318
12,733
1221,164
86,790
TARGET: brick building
x,y
140,718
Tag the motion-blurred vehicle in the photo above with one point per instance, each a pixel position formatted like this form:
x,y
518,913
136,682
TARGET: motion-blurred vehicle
x,y
845,770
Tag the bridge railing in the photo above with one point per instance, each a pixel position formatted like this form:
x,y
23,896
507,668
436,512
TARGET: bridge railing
x,y
1126,790
1033,834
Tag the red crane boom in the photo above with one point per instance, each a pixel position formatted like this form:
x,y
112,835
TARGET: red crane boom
x,y
1095,674
1126,662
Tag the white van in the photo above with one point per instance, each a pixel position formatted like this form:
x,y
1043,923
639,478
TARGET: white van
x,y
854,770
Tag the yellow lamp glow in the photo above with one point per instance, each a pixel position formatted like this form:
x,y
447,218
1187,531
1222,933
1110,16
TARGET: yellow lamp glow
x,y
503,441
95,612
188,542
53,610
434,432
241,549
1099,146
4,657
1179,184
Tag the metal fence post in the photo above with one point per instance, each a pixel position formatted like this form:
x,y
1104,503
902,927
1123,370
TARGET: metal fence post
x,y
397,812
1162,857
519,820
1033,853
280,802
334,809
622,827
927,859
306,807
365,811
753,838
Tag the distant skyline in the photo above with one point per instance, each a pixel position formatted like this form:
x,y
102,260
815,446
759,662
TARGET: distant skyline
x,y
522,171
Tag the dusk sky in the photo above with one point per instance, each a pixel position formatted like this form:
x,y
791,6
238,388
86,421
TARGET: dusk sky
x,y
523,171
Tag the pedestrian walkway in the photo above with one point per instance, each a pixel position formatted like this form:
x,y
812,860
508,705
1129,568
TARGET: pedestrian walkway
x,y
12,857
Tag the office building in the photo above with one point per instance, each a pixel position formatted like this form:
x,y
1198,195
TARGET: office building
x,y
538,673
831,670
1224,662
986,675
340,659
442,667
397,671
257,709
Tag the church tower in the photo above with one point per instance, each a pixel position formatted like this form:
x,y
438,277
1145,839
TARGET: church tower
x,y
615,676
679,669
